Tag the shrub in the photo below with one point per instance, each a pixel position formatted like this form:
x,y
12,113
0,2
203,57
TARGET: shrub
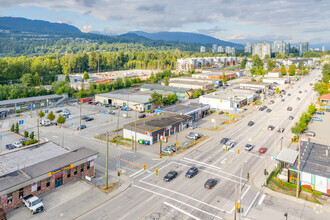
x,y
33,141
12,128
212,111
17,128
26,134
19,111
273,174
32,135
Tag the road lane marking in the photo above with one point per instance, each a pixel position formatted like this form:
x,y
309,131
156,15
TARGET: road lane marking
x,y
136,174
262,199
182,211
178,201
248,210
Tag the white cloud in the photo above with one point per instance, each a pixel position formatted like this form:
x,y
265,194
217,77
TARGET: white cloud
x,y
86,28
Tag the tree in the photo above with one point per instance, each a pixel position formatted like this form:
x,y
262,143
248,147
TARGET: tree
x,y
271,64
166,81
26,134
67,78
12,128
311,109
156,98
41,114
91,88
85,76
321,88
277,90
267,56
36,79
224,79
197,93
283,70
253,80
257,62
127,82
300,66
292,70
51,116
32,135
27,79
60,120
243,63
17,128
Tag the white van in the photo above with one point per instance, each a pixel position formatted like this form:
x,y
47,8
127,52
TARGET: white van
x,y
45,122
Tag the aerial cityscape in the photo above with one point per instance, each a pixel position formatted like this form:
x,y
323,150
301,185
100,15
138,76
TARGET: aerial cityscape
x,y
164,110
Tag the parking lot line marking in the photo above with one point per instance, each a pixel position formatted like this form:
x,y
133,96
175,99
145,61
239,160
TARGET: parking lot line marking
x,y
262,199
182,211
178,201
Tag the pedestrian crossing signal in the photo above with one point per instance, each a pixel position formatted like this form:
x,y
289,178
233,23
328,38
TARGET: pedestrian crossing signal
x,y
144,167
157,172
121,172
226,148
238,151
237,206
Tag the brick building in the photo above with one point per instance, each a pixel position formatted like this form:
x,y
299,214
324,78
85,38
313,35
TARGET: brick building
x,y
39,169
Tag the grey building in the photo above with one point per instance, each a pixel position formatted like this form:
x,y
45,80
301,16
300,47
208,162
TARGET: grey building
x,y
281,47
248,47
303,47
261,49
203,49
214,48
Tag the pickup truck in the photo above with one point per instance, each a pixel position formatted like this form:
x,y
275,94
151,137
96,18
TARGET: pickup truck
x,y
33,203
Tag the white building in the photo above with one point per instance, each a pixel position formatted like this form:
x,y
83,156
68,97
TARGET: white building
x,y
220,49
214,48
280,81
281,47
303,47
228,49
261,49
248,47
203,49
323,48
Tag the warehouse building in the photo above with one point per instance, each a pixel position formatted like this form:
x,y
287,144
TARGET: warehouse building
x,y
193,84
255,85
154,128
181,93
40,168
32,102
195,110
280,81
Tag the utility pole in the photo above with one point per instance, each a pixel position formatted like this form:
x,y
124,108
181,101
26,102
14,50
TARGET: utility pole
x,y
127,108
98,64
176,139
298,174
38,131
80,116
135,141
118,156
235,201
281,142
106,165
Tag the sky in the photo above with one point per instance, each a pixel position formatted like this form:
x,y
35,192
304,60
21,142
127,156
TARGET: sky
x,y
231,20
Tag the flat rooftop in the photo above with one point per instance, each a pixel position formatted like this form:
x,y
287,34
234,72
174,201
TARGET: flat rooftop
x,y
227,95
157,122
195,82
186,109
30,99
164,88
313,159
255,83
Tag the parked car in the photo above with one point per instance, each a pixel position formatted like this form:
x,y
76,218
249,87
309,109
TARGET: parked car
x,y
210,183
82,127
65,113
33,203
24,139
147,142
289,109
18,144
262,150
282,100
192,172
193,136
268,110
89,119
58,111
192,127
112,112
316,119
309,133
170,176
224,140
271,102
84,117
291,117
289,94
141,141
167,151
319,113
327,110
152,111
298,98
300,91
229,144
107,105
262,108
271,127
10,146
142,116
250,123
281,130
249,147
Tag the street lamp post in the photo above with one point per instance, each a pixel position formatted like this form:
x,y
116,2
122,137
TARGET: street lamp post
x,y
240,190
298,174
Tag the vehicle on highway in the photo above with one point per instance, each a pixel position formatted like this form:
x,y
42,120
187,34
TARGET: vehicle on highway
x,y
311,84
107,105
10,146
82,127
281,96
210,183
262,150
112,112
192,127
327,110
126,109
271,127
268,110
300,91
192,172
152,111
289,109
305,90
33,203
290,117
271,102
262,108
298,98
289,94
250,123
18,144
316,119
170,176
229,144
193,135
309,133
58,111
248,147
319,113
89,119
282,100
281,130
224,140
84,117
142,116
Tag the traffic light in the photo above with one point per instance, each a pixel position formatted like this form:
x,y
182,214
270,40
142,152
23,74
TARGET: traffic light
x,y
265,172
237,206
226,148
121,172
144,167
157,172
238,151
248,176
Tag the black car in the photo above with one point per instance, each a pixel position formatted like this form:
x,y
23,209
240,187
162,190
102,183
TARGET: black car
x,y
10,146
210,183
89,119
82,127
290,117
224,140
289,94
281,130
282,100
249,147
84,117
300,91
271,127
170,176
298,98
250,123
142,116
192,172
289,109
268,110
107,105
262,108
58,111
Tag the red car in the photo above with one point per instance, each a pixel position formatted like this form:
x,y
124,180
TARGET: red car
x,y
262,150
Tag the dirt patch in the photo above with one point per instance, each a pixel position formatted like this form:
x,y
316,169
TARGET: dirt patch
x,y
125,142
111,187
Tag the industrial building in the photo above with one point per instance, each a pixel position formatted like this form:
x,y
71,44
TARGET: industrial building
x,y
40,168
280,81
191,84
181,93
156,127
14,105
195,110
262,86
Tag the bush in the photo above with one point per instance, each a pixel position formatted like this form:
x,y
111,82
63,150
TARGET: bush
x,y
17,128
32,135
33,141
213,90
12,128
212,111
273,174
26,134
19,111
294,186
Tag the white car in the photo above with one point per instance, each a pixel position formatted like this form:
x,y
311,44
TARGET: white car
x,y
18,144
33,203
229,144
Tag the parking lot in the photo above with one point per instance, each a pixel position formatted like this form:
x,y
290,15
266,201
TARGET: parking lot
x,y
321,128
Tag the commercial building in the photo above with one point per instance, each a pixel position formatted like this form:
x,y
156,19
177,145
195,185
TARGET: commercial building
x,y
261,49
135,99
195,110
255,86
203,50
248,47
325,98
191,83
281,47
181,93
280,81
155,127
303,47
323,48
14,105
40,168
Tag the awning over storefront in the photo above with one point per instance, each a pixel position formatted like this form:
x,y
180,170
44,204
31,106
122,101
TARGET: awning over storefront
x,y
287,156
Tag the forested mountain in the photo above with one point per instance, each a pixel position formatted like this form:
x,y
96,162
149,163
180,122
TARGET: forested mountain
x,y
186,37
35,26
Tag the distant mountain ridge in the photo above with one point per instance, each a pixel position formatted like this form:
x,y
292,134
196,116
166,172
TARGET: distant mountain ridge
x,y
36,26
185,37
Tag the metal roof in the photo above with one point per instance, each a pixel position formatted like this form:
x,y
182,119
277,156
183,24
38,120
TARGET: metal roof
x,y
287,156
187,109
29,99
163,88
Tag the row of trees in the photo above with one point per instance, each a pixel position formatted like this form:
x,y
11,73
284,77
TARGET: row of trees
x,y
322,87
60,120
301,125
159,100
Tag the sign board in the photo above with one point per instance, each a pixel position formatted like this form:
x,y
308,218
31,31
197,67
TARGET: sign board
x,y
34,187
66,116
235,109
147,133
60,170
92,158
46,111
